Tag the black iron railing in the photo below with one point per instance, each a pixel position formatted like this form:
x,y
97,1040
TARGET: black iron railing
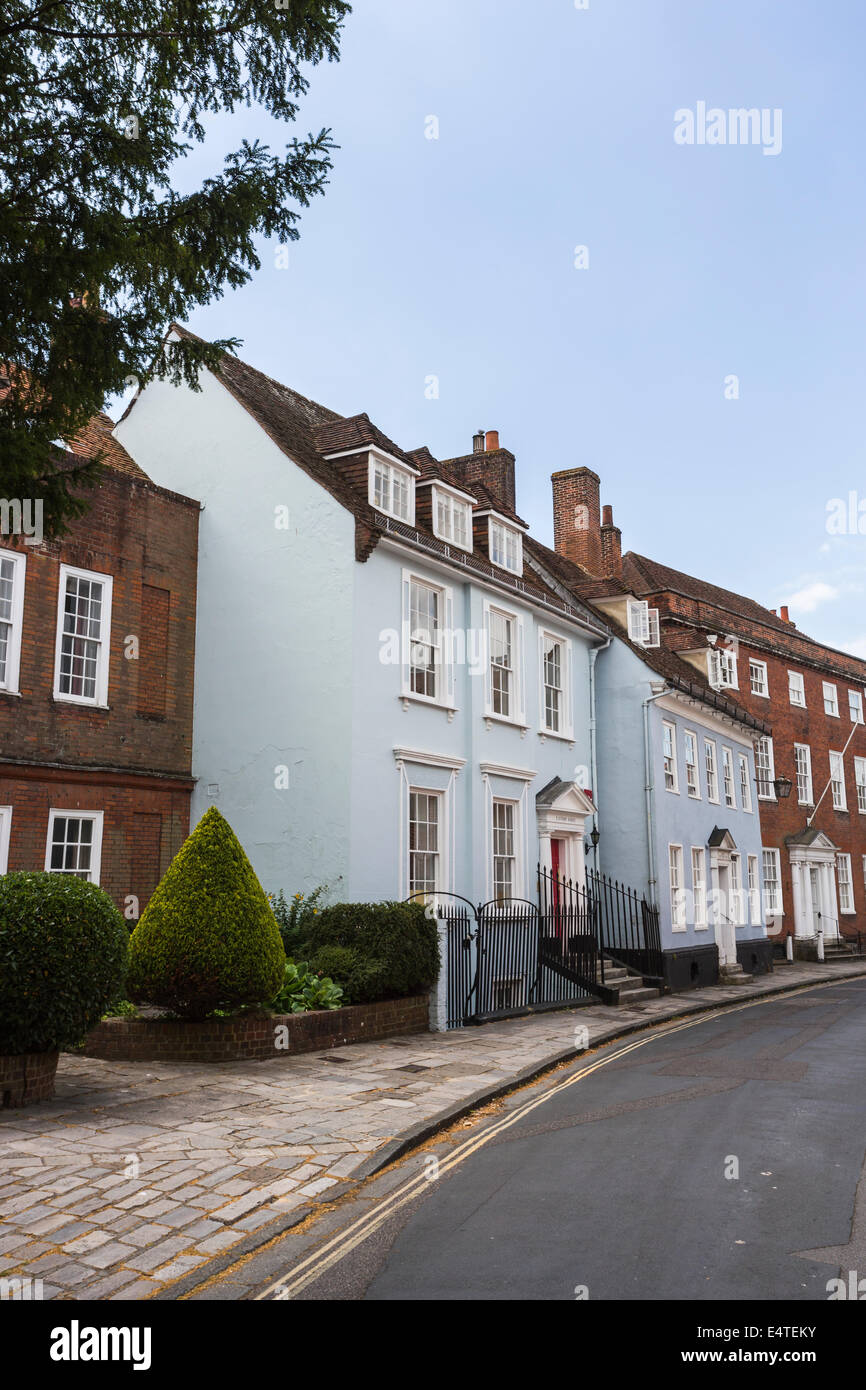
x,y
628,926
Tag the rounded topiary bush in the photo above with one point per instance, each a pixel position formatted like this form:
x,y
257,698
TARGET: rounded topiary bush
x,y
63,953
207,939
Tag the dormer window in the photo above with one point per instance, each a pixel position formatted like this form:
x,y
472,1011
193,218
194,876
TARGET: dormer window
x,y
506,546
643,623
722,668
452,518
392,489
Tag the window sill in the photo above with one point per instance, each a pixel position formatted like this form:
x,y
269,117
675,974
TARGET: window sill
x,y
12,694
545,734
411,699
491,719
78,704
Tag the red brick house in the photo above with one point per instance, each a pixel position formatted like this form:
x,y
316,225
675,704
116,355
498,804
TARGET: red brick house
x,y
811,695
97,641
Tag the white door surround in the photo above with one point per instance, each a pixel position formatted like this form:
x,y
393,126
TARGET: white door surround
x,y
721,845
562,810
813,876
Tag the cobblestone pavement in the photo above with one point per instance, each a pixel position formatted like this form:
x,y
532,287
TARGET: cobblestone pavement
x,y
139,1174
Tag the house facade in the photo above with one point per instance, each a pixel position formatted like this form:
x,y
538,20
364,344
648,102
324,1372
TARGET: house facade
x,y
389,700
97,635
810,697
678,813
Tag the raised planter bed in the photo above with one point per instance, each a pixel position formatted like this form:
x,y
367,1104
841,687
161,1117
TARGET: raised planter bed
x,y
254,1039
27,1078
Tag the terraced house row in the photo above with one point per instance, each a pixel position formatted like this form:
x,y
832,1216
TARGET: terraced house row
x,y
361,655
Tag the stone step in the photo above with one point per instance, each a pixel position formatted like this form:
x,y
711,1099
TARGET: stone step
x,y
635,996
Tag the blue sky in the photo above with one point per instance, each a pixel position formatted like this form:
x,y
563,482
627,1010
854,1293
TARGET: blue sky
x,y
454,257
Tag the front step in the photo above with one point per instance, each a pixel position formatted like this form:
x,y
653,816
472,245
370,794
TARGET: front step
x,y
628,988
734,975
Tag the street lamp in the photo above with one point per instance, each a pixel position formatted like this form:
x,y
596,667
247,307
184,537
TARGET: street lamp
x,y
594,836
782,787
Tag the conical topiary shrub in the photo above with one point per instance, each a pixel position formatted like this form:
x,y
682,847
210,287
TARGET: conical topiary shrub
x,y
208,938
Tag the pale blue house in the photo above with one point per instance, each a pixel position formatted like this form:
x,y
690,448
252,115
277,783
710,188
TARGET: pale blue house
x,y
385,680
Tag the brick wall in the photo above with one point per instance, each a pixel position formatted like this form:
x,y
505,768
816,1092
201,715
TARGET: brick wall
x,y
27,1078
255,1039
132,760
784,651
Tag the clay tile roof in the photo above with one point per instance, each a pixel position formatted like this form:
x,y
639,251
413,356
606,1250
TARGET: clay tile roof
x,y
648,576
96,439
424,459
659,659
357,431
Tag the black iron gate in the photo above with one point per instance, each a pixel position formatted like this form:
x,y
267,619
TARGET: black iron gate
x,y
511,956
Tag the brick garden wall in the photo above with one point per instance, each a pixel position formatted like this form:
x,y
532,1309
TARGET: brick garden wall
x,y
255,1039
27,1078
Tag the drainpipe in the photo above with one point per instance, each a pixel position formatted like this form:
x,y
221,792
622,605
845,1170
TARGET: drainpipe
x,y
650,828
593,755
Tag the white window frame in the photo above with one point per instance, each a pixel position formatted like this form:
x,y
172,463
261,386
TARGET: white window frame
x,y
679,906
517,844
722,668
441,799
737,904
443,651
454,502
96,844
517,712
5,831
393,470
670,765
845,884
754,889
693,787
769,795
643,623
803,748
100,698
729,785
830,699
711,769
699,887
855,706
772,899
745,782
860,782
762,692
566,720
512,540
840,801
10,680
796,685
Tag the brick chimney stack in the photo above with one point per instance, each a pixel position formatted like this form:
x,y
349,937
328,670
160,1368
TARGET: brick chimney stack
x,y
488,463
577,531
611,546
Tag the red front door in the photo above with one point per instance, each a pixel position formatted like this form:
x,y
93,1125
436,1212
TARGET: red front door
x,y
556,874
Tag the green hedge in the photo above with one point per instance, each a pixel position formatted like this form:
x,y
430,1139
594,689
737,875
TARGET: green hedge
x,y
63,953
374,950
207,939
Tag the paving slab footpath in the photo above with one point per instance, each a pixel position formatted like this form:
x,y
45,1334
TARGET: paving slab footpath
x,y
142,1179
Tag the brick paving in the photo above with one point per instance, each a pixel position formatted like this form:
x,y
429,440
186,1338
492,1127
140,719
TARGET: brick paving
x,y
138,1174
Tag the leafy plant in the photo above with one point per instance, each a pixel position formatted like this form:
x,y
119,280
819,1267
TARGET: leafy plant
x,y
63,954
104,238
295,916
303,990
375,950
121,1008
207,939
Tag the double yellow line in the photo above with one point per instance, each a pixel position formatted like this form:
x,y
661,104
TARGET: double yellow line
x,y
336,1249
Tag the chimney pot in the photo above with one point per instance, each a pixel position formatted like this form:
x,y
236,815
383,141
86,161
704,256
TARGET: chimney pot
x,y
783,614
607,516
478,442
492,440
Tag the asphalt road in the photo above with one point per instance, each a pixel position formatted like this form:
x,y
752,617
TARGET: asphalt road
x,y
710,1159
